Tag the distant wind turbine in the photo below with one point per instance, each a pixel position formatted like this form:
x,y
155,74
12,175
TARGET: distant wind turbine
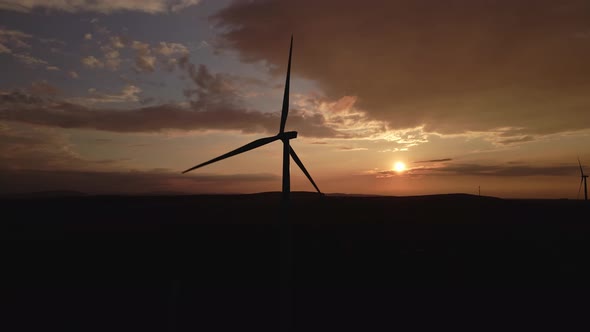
x,y
584,177
282,135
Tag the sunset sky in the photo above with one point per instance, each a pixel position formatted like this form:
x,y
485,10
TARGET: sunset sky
x,y
121,96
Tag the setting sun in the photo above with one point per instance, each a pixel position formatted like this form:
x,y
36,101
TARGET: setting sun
x,y
399,167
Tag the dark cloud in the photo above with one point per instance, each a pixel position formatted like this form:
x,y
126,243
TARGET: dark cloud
x,y
214,104
523,139
509,170
24,181
464,65
433,161
33,110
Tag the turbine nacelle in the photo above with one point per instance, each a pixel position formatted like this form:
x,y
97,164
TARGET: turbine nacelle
x,y
285,136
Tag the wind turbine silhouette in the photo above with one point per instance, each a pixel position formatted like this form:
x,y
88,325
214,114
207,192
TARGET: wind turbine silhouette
x,y
584,177
282,135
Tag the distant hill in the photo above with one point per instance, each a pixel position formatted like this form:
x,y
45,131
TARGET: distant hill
x,y
355,195
294,194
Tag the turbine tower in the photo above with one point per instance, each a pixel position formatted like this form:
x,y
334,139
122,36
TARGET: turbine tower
x,y
584,177
285,137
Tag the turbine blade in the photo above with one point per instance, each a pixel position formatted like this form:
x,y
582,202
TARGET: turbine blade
x,y
285,109
581,170
580,188
300,164
253,145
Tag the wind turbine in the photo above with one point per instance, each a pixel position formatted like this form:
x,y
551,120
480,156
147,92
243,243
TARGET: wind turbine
x,y
583,180
284,136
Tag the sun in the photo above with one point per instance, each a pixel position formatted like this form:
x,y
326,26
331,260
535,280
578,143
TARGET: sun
x,y
399,167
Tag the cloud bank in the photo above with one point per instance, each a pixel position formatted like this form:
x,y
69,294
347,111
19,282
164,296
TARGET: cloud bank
x,y
451,67
214,104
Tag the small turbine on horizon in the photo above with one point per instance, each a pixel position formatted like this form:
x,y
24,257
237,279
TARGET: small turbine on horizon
x,y
584,177
282,135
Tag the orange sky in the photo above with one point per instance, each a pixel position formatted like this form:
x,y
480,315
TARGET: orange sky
x,y
122,98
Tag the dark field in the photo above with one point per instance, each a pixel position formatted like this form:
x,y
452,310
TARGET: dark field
x,y
211,263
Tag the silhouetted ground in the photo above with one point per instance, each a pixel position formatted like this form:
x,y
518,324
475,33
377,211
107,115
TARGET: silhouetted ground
x,y
211,263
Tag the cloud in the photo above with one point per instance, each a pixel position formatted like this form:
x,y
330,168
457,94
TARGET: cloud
x,y
52,68
433,161
15,38
112,58
215,102
350,148
104,7
170,54
92,62
25,146
34,158
505,170
14,41
4,49
146,55
485,170
20,107
169,49
73,74
29,60
182,4
117,42
144,60
129,93
122,182
88,36
515,140
467,66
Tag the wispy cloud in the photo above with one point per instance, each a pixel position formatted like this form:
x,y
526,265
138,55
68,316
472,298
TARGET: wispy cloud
x,y
129,93
433,161
521,139
351,148
15,38
499,170
4,49
29,60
